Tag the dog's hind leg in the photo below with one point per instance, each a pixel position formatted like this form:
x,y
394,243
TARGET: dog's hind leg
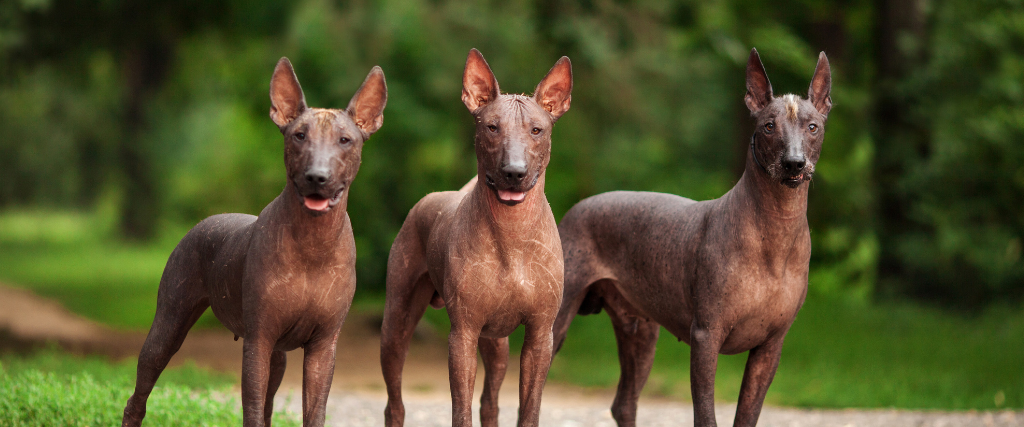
x,y
636,338
494,352
180,302
409,292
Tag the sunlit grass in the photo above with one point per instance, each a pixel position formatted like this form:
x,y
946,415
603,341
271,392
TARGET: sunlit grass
x,y
51,388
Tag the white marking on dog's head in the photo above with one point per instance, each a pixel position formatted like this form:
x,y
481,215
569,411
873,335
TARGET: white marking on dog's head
x,y
792,106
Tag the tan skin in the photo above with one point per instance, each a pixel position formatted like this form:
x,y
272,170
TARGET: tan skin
x,y
725,276
489,252
284,279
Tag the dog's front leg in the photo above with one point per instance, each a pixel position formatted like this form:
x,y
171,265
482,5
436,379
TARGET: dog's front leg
x,y
704,345
762,361
317,374
534,364
462,371
256,354
494,352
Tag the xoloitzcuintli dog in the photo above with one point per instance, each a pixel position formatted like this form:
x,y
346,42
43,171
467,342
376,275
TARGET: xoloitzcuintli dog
x,y
489,252
282,280
725,275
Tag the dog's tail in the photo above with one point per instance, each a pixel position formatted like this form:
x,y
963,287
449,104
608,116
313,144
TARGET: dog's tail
x,y
469,185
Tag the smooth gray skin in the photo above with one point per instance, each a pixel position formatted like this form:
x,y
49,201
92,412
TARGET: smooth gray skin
x,y
725,275
495,265
282,280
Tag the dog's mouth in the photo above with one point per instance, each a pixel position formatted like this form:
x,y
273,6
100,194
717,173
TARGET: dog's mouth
x,y
318,203
795,180
510,196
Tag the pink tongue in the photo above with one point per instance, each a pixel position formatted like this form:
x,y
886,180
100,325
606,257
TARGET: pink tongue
x,y
316,203
511,195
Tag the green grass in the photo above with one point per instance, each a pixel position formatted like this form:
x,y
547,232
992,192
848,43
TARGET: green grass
x,y
841,355
51,388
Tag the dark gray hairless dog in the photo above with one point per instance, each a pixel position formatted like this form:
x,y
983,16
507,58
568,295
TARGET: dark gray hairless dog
x,y
282,280
725,275
489,252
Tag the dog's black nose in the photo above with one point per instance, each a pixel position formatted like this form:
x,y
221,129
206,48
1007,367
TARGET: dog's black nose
x,y
514,172
317,176
793,165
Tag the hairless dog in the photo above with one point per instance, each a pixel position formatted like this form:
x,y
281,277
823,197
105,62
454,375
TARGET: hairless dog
x,y
725,275
489,252
282,280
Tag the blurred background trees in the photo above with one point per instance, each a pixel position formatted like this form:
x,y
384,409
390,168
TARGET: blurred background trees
x,y
155,113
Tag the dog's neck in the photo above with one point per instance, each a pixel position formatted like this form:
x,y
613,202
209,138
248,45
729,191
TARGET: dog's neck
x,y
770,199
506,217
318,230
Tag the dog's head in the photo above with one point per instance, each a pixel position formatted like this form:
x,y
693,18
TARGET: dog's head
x,y
787,139
513,132
322,147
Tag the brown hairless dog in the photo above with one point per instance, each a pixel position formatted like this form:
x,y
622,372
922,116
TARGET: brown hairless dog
x,y
725,275
489,252
282,280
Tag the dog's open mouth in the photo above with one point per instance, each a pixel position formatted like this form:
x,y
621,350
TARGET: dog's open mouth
x,y
318,203
508,197
511,196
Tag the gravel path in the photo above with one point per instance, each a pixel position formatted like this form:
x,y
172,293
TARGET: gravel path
x,y
360,410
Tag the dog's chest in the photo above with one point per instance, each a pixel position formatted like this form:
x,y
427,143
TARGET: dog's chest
x,y
761,304
504,286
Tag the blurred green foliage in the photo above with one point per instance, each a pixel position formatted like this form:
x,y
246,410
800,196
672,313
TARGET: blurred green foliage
x,y
157,115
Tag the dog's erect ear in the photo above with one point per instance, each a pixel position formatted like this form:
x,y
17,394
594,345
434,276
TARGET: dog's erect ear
x,y
554,93
286,98
759,89
367,106
820,92
479,86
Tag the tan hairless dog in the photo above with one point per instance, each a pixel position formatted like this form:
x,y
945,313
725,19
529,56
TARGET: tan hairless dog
x,y
489,252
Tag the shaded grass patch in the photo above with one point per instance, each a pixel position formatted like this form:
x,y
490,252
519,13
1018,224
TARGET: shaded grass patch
x,y
840,355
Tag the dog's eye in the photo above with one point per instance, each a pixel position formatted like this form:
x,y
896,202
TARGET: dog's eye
x,y
492,128
812,127
536,131
301,136
344,140
769,127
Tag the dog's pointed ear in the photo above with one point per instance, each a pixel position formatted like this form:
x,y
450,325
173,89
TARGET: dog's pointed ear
x,y
554,92
820,92
759,89
367,106
286,98
479,87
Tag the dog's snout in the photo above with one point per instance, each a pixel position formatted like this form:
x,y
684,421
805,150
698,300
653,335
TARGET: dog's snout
x,y
514,172
317,176
793,165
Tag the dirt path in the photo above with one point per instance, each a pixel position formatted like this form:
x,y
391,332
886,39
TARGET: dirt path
x,y
358,398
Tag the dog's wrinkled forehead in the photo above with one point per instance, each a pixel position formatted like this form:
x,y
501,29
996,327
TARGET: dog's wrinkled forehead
x,y
791,108
325,121
515,109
